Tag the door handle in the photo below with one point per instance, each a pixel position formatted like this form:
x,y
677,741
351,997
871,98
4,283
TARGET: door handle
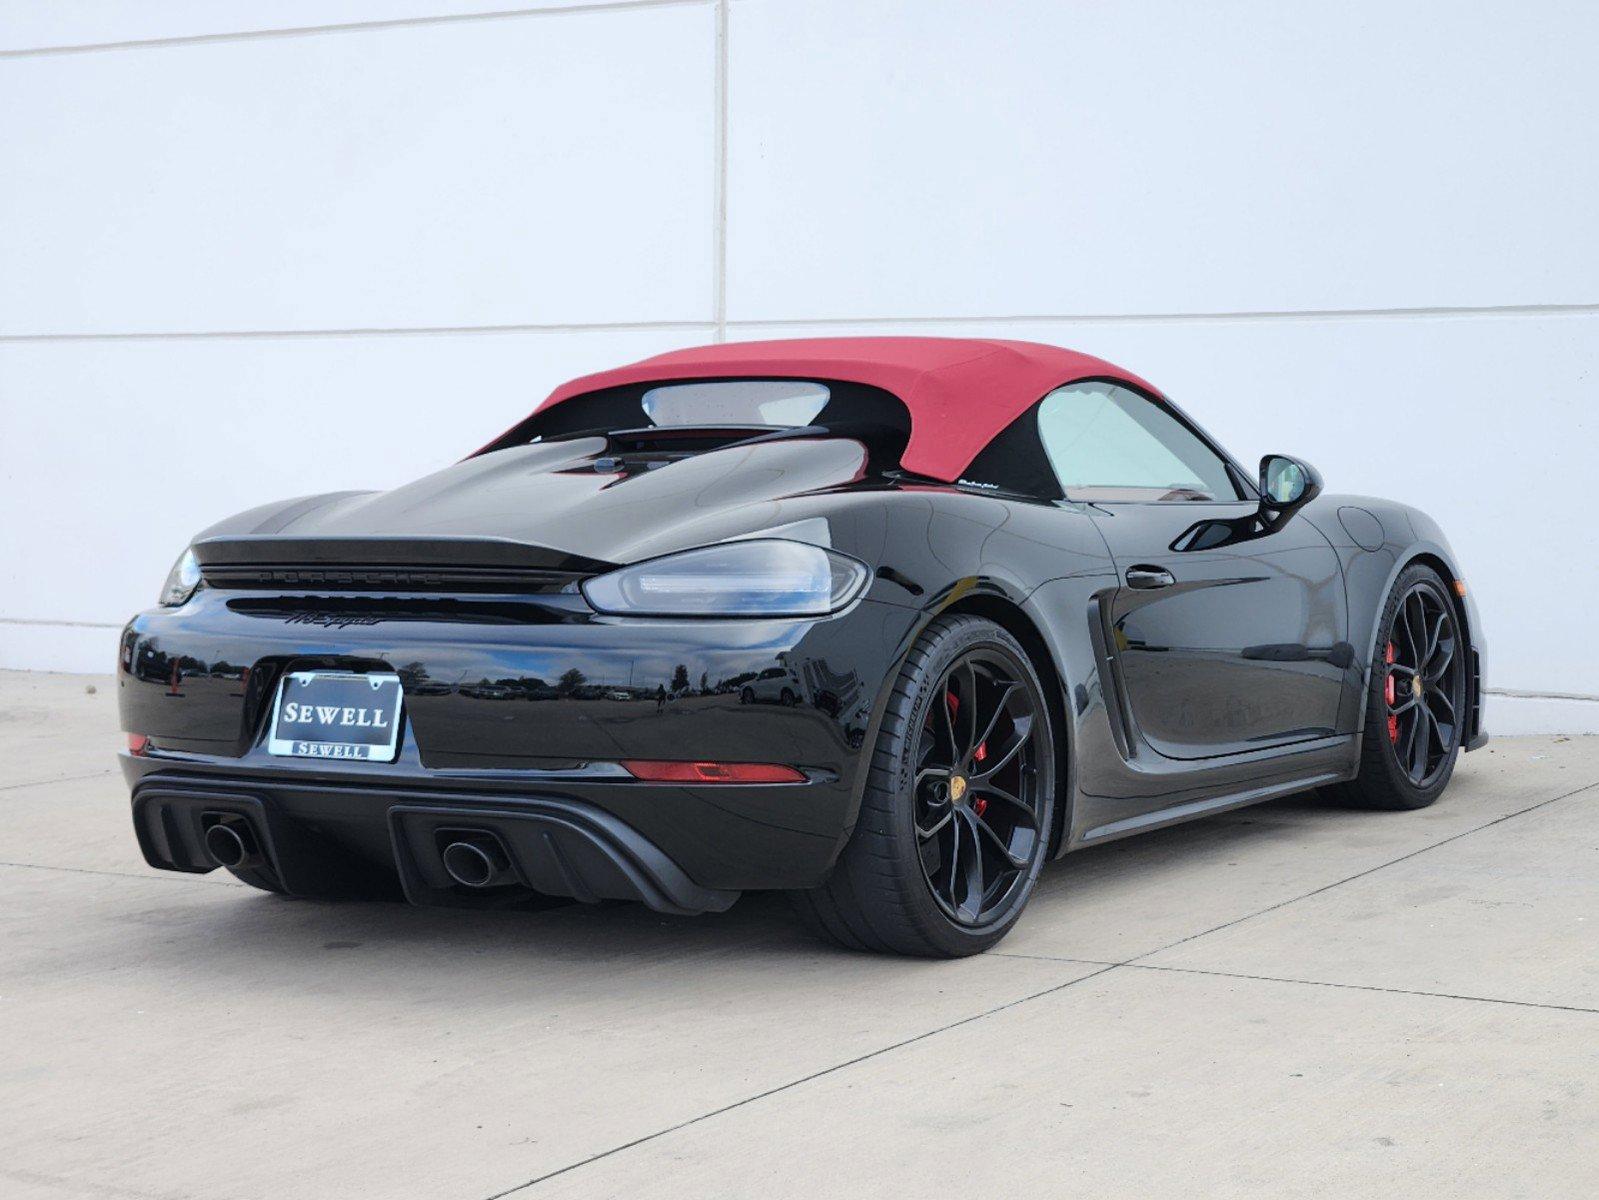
x,y
1145,577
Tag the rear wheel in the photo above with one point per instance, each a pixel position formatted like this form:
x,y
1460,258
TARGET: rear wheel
x,y
955,819
1416,701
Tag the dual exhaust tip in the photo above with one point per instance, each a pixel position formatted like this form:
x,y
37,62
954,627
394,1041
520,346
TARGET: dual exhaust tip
x,y
474,860
477,860
231,843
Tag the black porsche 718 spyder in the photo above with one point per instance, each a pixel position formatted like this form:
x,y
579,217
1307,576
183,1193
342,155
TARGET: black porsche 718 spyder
x,y
883,622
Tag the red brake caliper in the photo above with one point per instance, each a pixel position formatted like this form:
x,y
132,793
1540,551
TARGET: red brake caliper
x,y
979,805
1388,690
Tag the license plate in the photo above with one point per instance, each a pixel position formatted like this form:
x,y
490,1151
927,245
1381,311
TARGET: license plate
x,y
336,714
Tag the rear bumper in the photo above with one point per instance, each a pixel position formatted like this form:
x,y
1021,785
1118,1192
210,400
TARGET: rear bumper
x,y
527,723
333,832
553,846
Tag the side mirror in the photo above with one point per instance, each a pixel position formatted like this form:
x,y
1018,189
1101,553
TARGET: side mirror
x,y
1287,483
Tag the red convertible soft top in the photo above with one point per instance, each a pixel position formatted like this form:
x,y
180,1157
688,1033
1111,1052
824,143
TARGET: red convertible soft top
x,y
960,391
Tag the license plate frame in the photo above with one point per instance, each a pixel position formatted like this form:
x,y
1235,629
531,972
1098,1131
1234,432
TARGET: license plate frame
x,y
339,701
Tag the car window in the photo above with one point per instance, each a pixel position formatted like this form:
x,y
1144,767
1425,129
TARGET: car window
x,y
780,402
1107,443
858,410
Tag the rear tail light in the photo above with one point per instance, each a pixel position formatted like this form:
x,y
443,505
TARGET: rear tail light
x,y
138,744
760,577
658,771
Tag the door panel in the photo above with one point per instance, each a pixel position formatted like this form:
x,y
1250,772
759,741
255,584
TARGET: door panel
x,y
1244,647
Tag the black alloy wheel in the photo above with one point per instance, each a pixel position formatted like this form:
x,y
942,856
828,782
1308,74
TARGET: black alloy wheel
x,y
976,788
1424,690
958,809
1416,702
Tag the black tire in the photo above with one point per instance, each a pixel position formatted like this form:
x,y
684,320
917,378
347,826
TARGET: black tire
x,y
884,893
1389,777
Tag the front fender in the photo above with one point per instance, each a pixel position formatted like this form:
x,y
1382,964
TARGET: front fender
x,y
1370,570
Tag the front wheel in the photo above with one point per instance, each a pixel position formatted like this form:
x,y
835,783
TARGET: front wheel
x,y
956,815
1416,700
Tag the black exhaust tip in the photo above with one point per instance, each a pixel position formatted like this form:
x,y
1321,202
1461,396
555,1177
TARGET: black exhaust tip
x,y
477,862
231,844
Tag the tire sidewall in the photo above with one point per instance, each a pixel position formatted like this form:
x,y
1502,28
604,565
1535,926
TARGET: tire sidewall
x,y
950,644
1376,700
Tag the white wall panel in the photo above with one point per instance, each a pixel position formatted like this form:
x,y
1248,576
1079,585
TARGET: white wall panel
x,y
940,157
900,158
117,452
1507,716
79,649
1486,423
41,24
556,170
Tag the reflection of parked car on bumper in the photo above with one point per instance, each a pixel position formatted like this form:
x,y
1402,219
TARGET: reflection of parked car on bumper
x,y
772,686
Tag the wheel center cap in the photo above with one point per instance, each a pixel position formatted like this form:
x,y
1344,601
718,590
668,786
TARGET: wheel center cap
x,y
1415,685
957,788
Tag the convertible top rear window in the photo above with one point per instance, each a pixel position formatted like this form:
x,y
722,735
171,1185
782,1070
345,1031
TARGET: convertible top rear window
x,y
786,403
853,408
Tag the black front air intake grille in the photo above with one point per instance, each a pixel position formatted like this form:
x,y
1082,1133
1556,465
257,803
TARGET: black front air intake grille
x,y
387,579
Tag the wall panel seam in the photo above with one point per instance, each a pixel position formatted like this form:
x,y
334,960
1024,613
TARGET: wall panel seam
x,y
719,200
349,27
1353,314
357,332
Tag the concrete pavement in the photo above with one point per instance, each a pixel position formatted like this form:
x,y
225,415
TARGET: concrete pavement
x,y
1293,1000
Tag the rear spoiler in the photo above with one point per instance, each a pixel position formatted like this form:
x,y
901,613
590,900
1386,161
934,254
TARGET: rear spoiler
x,y
270,550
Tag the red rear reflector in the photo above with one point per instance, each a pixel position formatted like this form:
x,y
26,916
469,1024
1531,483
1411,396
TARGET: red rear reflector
x,y
138,743
657,771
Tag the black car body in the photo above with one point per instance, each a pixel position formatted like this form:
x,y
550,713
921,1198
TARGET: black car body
x,y
1196,652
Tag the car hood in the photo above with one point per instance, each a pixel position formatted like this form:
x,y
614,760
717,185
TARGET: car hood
x,y
551,496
